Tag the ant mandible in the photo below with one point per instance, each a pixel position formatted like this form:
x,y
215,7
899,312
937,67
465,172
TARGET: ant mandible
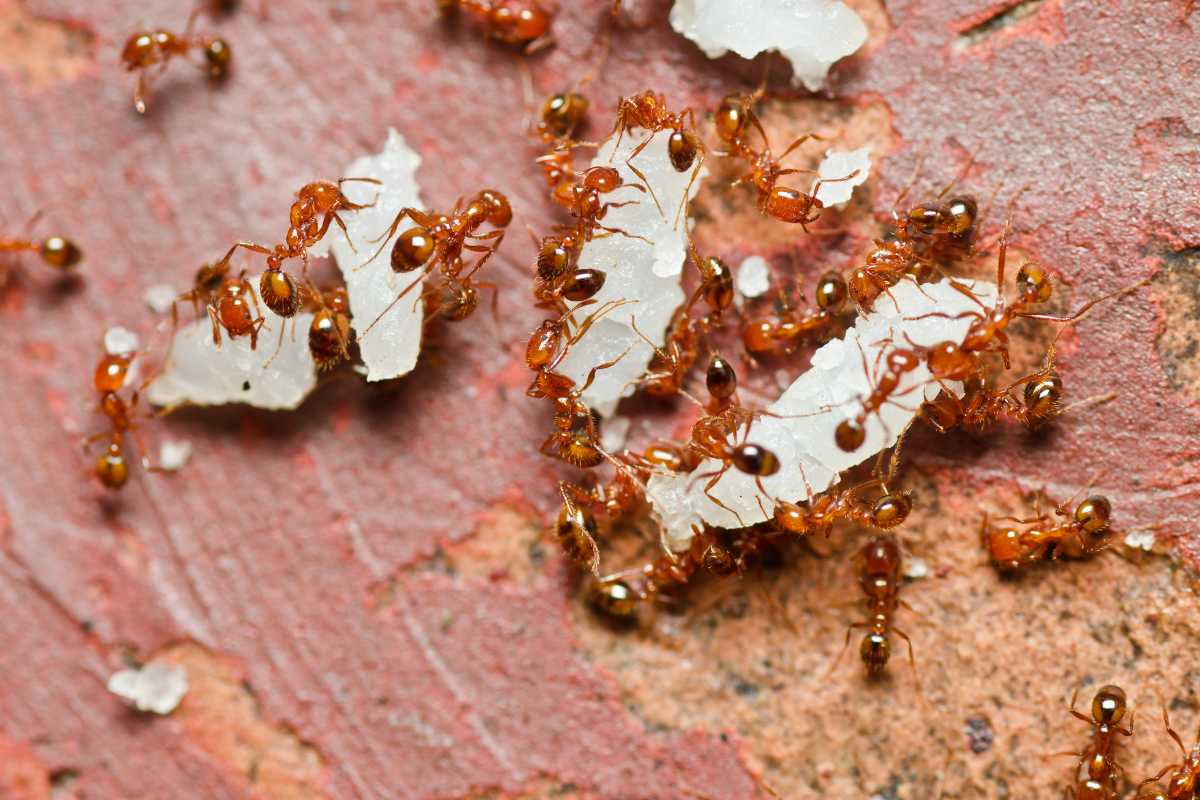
x,y
148,49
1184,783
1108,708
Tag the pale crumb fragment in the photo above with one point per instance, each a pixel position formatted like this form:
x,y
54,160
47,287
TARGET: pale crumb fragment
x,y
278,374
159,298
915,568
120,341
800,431
1140,540
155,687
643,267
614,432
753,277
833,191
391,347
811,34
173,455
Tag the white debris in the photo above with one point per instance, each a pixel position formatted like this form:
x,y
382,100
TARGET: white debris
x,y
173,455
275,375
811,34
753,277
120,341
1140,540
647,274
835,192
391,347
613,433
159,298
915,568
801,434
156,687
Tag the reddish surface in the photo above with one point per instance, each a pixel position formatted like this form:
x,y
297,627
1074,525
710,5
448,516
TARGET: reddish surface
x,y
267,547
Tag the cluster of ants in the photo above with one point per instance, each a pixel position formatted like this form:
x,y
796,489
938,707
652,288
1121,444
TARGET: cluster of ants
x,y
924,243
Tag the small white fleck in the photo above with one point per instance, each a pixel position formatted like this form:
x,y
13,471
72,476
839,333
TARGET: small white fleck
x,y
120,341
159,298
156,687
613,433
753,277
173,455
1140,540
915,568
837,165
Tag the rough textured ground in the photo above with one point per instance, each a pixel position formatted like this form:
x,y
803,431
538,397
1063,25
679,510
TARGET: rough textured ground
x,y
360,591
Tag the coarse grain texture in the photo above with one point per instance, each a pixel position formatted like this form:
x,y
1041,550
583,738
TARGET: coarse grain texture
x,y
300,551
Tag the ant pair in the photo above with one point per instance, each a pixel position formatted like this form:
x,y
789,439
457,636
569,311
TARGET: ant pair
x,y
520,23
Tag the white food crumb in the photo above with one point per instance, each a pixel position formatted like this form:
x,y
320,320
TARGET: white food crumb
x,y
173,455
276,375
159,298
647,275
391,347
156,687
613,433
120,341
802,434
1140,540
753,277
915,568
833,192
811,34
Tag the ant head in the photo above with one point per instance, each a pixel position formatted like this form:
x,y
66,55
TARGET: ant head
x,y
562,113
891,510
721,378
412,249
217,56
864,287
602,179
499,211
875,651
111,371
1093,514
138,50
1042,396
849,435
461,303
792,517
1108,706
59,252
831,292
1033,283
754,459
111,468
682,148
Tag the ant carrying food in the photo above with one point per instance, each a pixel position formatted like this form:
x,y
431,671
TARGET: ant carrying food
x,y
1098,768
154,49
520,23
1184,780
1083,532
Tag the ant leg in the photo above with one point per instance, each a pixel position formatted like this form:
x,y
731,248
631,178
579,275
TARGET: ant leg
x,y
788,150
416,216
254,247
216,326
849,630
625,233
348,204
139,92
1173,734
420,279
1076,714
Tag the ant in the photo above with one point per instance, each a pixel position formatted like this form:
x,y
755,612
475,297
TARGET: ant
x,y
551,340
1184,783
575,530
1108,708
818,514
778,334
1087,529
521,23
109,379
439,240
851,432
649,112
317,206
582,198
147,49
879,576
329,334
56,251
232,306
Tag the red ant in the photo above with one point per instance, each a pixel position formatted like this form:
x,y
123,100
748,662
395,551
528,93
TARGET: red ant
x,y
818,514
879,576
439,240
109,379
317,206
851,432
1085,531
521,23
329,334
779,334
1184,783
233,307
550,342
582,198
649,112
1108,708
146,49
575,529
56,251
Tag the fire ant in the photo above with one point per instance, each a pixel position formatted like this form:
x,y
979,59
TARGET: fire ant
x,y
1108,708
1184,783
521,23
818,514
109,379
439,240
1086,529
879,576
778,334
317,206
146,49
649,112
329,334
582,198
56,251
233,307
851,432
547,347
575,529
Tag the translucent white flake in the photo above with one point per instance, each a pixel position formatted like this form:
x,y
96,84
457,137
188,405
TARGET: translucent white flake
x,y
1140,540
839,165
915,568
753,277
159,298
613,433
276,375
120,341
156,687
391,347
173,455
811,34
802,433
645,273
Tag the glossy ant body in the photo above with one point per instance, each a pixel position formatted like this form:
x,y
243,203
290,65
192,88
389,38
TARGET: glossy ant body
x,y
851,432
879,576
520,23
55,251
779,334
146,50
648,111
109,379
1108,709
1045,539
818,514
329,333
1184,781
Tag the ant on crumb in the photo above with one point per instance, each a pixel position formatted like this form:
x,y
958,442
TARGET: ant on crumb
x,y
329,333
154,49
